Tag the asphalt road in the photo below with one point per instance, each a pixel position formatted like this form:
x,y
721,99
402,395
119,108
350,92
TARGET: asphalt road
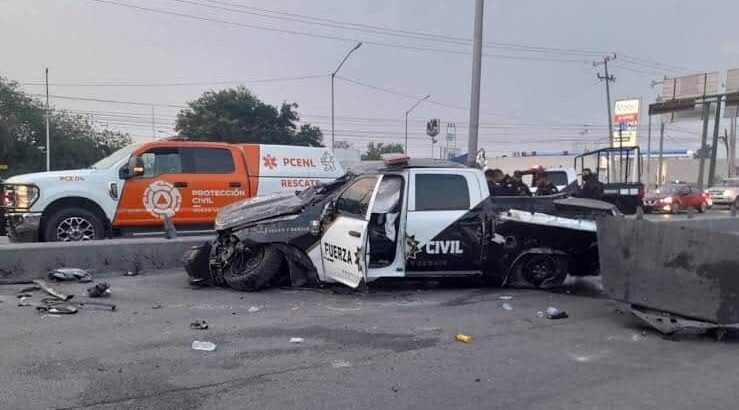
x,y
393,348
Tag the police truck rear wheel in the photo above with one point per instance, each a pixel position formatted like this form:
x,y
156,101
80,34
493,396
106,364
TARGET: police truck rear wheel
x,y
254,268
542,270
73,225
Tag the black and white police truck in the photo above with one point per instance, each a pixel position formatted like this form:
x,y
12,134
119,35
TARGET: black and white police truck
x,y
410,218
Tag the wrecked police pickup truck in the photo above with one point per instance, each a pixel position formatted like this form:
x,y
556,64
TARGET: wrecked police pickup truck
x,y
411,218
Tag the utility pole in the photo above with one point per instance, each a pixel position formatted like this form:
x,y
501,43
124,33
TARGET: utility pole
x,y
475,90
649,151
153,130
704,137
333,76
732,148
608,79
714,147
48,139
661,160
408,111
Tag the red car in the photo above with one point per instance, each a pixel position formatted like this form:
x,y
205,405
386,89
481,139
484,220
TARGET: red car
x,y
674,198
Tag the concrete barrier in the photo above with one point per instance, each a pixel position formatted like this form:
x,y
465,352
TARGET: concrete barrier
x,y
687,268
26,261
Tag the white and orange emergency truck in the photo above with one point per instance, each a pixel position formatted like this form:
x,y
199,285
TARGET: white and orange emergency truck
x,y
131,191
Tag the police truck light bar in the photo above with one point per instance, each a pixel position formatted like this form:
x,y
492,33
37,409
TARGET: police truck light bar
x,y
395,159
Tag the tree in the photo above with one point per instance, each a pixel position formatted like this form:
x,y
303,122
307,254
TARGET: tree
x,y
375,151
701,153
236,115
75,141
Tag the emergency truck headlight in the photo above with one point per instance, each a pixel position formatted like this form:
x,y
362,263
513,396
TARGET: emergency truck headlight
x,y
20,196
667,200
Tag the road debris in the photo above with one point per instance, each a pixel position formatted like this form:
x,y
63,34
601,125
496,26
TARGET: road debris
x,y
254,309
340,363
199,325
156,307
460,337
554,313
100,290
505,297
70,274
297,340
540,314
52,290
204,346
507,306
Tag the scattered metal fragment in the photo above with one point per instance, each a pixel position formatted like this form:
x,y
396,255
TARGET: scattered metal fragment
x,y
199,325
100,290
52,290
71,274
668,324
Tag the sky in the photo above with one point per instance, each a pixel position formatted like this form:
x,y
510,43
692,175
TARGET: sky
x,y
539,87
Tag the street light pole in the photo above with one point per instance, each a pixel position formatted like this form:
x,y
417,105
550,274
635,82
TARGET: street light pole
x,y
475,88
48,139
408,111
333,76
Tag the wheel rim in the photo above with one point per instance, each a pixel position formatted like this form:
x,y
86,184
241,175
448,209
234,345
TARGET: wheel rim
x,y
539,268
75,229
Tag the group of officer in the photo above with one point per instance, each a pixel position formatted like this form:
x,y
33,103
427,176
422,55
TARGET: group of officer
x,y
501,184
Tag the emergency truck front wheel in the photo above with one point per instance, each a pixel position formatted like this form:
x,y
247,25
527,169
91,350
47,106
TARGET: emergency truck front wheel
x,y
254,268
73,225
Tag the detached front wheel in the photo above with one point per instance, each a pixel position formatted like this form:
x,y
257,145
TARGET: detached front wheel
x,y
73,225
254,268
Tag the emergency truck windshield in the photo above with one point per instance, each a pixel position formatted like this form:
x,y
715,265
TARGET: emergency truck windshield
x,y
113,158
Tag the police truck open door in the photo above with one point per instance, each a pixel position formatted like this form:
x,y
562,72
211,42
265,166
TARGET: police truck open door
x,y
620,171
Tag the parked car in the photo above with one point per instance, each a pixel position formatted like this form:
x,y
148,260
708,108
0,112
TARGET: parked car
x,y
134,189
673,198
725,192
394,223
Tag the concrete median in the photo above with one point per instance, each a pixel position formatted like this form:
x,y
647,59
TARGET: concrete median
x,y
33,260
684,267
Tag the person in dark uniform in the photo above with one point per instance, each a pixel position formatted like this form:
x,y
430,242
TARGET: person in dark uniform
x,y
521,188
591,187
502,184
544,186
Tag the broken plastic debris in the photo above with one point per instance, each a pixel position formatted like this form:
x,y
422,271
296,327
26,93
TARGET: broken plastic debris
x,y
199,325
254,309
462,338
205,346
554,313
507,306
540,314
69,274
296,340
100,290
505,297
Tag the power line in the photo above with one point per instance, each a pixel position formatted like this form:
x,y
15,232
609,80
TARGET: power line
x,y
177,84
65,97
335,38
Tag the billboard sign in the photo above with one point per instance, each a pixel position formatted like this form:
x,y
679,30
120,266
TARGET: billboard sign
x,y
689,86
626,122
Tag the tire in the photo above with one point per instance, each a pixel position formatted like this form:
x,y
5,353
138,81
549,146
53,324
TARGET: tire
x,y
542,270
73,225
254,269
197,265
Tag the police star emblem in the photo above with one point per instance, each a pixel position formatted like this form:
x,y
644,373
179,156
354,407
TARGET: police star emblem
x,y
411,247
